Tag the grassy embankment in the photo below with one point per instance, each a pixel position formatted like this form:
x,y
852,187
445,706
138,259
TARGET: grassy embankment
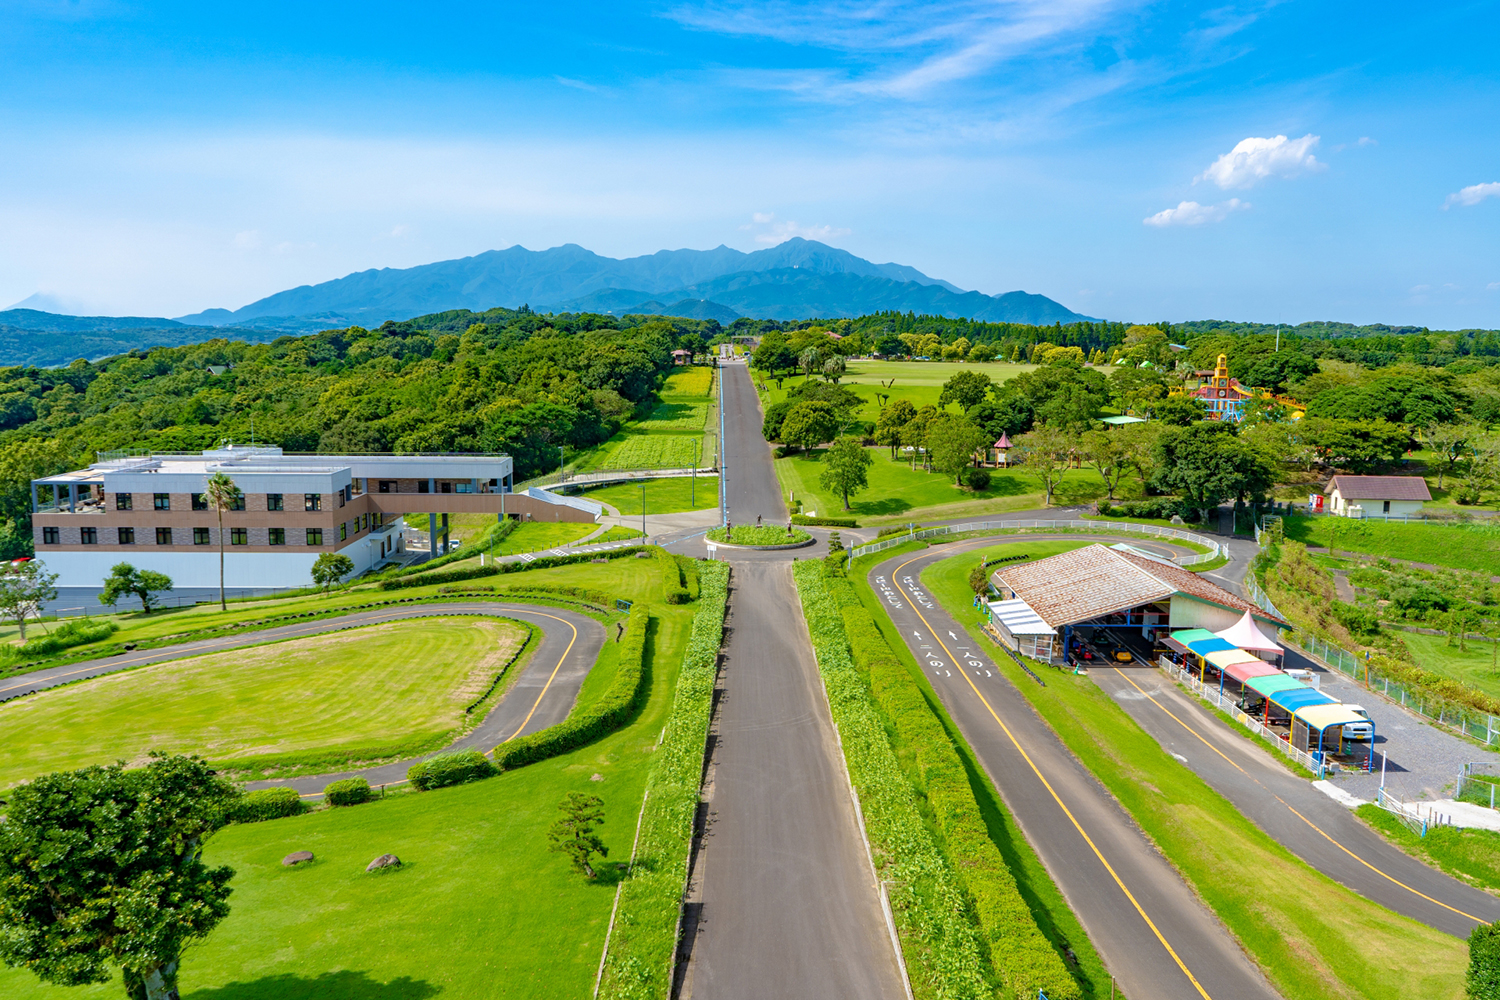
x,y
663,496
478,887
1474,666
1471,855
1460,546
1312,937
325,700
682,427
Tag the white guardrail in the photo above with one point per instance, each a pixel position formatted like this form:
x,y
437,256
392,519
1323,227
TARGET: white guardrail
x,y
1215,549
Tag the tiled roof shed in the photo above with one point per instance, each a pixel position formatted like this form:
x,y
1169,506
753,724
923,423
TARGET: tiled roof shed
x,y
1380,488
1096,580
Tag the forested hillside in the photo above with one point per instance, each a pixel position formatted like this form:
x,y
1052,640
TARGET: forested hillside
x,y
509,381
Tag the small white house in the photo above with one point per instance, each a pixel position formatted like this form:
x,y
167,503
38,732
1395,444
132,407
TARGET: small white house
x,y
1377,496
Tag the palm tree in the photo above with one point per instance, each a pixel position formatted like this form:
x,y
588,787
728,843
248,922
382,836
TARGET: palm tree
x,y
222,494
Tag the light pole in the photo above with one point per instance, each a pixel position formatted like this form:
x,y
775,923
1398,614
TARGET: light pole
x,y
643,510
693,476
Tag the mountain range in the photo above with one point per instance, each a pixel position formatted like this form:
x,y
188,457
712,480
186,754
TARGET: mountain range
x,y
797,279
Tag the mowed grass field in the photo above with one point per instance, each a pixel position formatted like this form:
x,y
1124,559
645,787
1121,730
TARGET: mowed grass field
x,y
918,381
1474,666
1461,546
481,907
678,433
370,692
896,491
663,496
1313,938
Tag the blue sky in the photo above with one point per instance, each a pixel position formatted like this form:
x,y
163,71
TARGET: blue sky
x,y
1277,162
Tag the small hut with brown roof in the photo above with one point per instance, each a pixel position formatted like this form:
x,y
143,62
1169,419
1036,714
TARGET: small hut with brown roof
x,y
1367,496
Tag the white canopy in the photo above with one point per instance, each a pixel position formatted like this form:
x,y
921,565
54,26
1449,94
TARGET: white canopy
x,y
1247,635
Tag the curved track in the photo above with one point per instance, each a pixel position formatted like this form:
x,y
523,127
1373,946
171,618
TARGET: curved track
x,y
541,696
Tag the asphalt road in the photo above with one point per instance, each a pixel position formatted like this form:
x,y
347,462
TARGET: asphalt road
x,y
782,901
1156,937
542,696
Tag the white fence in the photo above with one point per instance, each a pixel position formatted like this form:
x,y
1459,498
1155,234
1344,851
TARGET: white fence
x,y
1210,693
1417,817
1214,548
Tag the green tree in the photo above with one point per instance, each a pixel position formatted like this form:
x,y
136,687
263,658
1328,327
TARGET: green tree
x,y
574,834
330,568
102,867
891,421
1109,456
1178,411
1139,443
125,580
1207,464
966,388
222,494
1357,445
1483,980
1450,443
951,444
809,424
834,368
1046,451
846,468
23,591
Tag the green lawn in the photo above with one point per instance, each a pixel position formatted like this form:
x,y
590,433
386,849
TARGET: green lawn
x,y
1474,666
663,496
347,695
897,492
681,431
534,536
480,909
1470,855
1472,546
617,534
1318,940
918,381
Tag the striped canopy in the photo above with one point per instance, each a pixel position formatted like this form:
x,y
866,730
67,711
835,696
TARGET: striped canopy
x,y
1203,647
1323,716
1271,683
1243,672
1293,700
1188,635
1225,657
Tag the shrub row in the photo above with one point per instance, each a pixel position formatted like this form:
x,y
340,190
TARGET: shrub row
x,y
897,529
450,769
347,792
825,522
497,532
267,803
626,693
939,940
1023,958
682,580
525,643
544,562
644,941
66,636
1159,507
447,576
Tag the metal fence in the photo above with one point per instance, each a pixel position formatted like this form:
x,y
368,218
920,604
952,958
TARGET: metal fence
x,y
1417,818
1469,721
1214,548
1211,694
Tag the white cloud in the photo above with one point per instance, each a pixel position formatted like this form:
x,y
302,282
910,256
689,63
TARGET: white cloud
x,y
1190,213
762,217
1493,286
1365,140
1472,195
247,240
1254,159
780,232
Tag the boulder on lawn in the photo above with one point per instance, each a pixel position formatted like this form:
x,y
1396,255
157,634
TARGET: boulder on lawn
x,y
384,861
297,858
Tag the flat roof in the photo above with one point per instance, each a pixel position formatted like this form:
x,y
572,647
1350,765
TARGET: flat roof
x,y
1019,619
1323,716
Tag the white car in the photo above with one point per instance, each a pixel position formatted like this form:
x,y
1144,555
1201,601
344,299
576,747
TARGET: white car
x,y
1358,730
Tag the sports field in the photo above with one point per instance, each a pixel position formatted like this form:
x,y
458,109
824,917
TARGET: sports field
x,y
377,691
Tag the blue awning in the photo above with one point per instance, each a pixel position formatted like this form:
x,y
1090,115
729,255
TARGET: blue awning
x,y
1292,699
1203,647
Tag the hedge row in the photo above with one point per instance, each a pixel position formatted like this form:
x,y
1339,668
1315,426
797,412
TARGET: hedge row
x,y
626,693
66,636
644,940
543,562
825,522
447,576
450,769
347,792
498,532
267,803
939,940
1023,958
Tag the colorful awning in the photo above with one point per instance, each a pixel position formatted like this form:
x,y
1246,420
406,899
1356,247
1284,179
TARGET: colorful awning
x,y
1188,635
1323,716
1271,683
1225,657
1293,700
1243,672
1202,647
1247,635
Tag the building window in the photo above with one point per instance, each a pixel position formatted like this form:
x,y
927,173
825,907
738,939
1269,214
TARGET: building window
x,y
314,536
312,501
161,501
423,486
387,486
163,536
200,502
127,536
464,488
446,487
49,536
343,531
277,536
274,502
88,536
238,536
1387,507
200,536
379,518
238,503
122,501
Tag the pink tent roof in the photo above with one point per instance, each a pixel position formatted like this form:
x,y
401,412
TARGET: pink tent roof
x,y
1004,441
1247,635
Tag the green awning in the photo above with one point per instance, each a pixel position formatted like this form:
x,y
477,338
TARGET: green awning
x,y
1269,685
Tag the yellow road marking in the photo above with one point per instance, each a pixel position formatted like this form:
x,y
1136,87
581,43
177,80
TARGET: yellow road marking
x,y
1284,802
1058,799
549,679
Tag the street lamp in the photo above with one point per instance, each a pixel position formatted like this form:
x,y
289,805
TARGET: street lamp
x,y
643,510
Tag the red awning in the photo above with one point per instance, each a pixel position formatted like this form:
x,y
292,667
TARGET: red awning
x,y
1242,672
